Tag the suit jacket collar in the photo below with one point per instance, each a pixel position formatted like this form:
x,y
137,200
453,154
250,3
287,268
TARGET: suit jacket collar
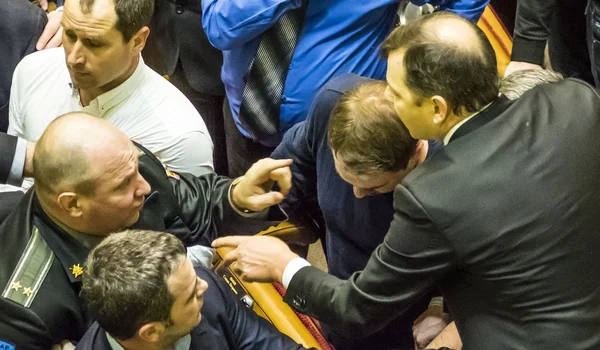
x,y
484,117
68,250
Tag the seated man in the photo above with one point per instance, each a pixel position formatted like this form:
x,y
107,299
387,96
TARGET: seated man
x,y
91,180
100,71
144,294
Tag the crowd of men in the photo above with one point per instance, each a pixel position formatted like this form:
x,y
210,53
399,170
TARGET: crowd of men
x,y
448,196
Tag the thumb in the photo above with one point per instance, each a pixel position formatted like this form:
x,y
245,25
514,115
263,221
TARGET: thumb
x,y
260,202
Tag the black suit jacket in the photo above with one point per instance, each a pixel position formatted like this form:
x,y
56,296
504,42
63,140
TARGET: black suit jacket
x,y
226,324
20,28
176,34
504,219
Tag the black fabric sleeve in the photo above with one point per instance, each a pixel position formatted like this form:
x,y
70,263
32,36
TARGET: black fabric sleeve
x,y
532,30
8,145
414,256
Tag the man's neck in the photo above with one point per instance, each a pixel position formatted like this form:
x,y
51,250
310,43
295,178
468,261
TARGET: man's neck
x,y
88,95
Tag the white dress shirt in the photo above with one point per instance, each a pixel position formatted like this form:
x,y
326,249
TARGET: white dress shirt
x,y
146,107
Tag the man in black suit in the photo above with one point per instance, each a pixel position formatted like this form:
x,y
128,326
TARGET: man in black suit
x,y
503,220
145,294
179,48
21,26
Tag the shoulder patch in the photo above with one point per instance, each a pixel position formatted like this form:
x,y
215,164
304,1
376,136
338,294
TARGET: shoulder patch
x,y
172,174
33,266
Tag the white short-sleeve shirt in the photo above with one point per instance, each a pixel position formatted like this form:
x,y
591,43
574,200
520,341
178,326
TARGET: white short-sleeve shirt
x,y
146,107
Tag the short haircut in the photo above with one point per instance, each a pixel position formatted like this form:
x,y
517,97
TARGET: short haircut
x,y
59,164
366,133
132,15
466,76
519,82
125,280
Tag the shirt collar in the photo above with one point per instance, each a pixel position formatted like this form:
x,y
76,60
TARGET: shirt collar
x,y
459,124
117,95
182,344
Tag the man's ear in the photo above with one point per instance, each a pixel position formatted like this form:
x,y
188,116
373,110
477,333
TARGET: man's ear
x,y
69,203
151,332
139,39
440,107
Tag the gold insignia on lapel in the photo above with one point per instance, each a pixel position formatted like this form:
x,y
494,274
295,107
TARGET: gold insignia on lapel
x,y
77,270
27,291
15,285
172,174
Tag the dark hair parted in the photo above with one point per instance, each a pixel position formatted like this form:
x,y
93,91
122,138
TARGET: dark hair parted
x,y
464,73
125,280
366,134
131,14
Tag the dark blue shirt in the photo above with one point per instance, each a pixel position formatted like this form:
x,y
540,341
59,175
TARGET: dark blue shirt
x,y
354,227
338,37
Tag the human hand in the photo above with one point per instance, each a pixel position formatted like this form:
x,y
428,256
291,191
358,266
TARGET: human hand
x,y
448,338
44,4
427,326
52,34
64,345
256,258
28,168
253,192
514,66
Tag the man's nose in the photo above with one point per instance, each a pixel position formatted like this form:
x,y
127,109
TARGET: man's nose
x,y
76,57
145,188
359,192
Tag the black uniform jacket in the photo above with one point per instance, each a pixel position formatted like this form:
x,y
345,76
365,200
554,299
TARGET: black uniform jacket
x,y
41,265
226,324
504,219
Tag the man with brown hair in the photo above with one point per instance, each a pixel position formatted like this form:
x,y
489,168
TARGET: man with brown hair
x,y
349,155
144,293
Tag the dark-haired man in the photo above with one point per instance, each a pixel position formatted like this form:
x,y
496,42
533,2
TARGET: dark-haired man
x,y
144,293
503,219
93,181
100,71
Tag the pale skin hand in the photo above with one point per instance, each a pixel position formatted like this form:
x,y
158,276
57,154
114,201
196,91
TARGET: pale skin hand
x,y
52,34
427,326
254,192
448,337
256,258
514,66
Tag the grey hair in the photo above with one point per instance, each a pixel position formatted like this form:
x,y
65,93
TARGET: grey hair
x,y
519,82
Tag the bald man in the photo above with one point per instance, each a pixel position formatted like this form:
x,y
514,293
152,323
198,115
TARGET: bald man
x,y
92,181
503,220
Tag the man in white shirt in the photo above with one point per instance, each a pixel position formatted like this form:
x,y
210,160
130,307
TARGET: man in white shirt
x,y
105,76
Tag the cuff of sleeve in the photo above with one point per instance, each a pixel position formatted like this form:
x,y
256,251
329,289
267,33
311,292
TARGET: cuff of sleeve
x,y
247,214
530,51
15,176
290,270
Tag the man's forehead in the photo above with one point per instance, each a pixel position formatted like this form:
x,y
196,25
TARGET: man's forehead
x,y
99,19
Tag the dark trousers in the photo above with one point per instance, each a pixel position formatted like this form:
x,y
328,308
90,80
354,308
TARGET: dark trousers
x,y
211,109
242,152
8,201
567,47
593,37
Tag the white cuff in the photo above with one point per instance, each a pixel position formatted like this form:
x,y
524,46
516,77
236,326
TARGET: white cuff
x,y
290,270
